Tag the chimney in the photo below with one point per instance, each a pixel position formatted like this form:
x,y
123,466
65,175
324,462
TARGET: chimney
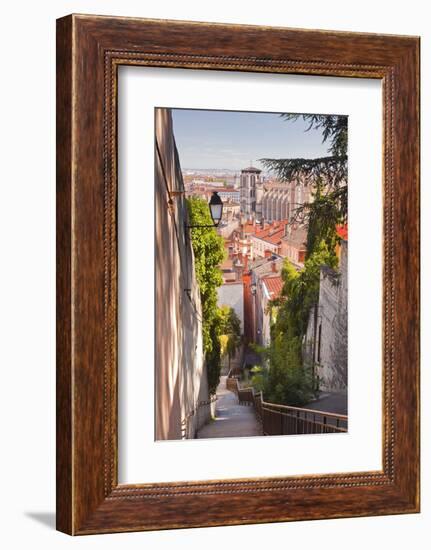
x,y
274,267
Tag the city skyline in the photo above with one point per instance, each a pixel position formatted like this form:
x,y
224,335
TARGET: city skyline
x,y
231,140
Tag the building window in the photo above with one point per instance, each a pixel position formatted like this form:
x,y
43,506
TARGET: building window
x,y
319,344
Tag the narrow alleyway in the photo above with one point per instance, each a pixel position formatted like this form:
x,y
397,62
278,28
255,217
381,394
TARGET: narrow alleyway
x,y
232,419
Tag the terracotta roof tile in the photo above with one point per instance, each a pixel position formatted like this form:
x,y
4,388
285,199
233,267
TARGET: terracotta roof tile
x,y
273,233
274,286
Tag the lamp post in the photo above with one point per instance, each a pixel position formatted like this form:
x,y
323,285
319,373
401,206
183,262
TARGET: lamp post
x,y
216,211
216,208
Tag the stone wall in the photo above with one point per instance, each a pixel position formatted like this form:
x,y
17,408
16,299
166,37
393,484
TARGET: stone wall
x,y
180,373
327,333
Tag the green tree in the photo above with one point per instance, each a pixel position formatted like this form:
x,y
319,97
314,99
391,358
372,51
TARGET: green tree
x,y
209,252
231,331
301,289
323,215
258,378
289,380
208,248
213,354
328,172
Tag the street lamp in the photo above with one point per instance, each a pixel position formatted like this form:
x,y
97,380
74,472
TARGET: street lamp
x,y
216,208
216,211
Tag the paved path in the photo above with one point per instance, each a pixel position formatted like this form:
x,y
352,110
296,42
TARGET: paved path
x,y
335,402
232,419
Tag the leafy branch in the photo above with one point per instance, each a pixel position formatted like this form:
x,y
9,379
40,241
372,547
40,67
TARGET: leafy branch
x,y
330,172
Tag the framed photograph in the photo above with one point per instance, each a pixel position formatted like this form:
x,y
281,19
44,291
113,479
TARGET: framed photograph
x,y
237,274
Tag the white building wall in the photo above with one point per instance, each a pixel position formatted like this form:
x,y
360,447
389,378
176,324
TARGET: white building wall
x,y
232,295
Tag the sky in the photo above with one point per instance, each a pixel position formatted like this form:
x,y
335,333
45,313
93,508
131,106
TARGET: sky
x,y
234,139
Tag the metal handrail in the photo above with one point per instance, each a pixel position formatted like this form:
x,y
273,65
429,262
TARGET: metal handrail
x,y
300,409
304,420
310,420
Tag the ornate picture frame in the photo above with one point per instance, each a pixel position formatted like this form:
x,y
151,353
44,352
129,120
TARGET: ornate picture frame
x,y
89,51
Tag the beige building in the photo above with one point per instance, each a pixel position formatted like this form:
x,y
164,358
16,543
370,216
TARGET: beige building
x,y
268,238
280,200
294,245
181,399
250,182
231,211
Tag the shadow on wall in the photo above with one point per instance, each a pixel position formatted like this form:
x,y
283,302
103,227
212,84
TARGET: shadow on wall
x,y
180,375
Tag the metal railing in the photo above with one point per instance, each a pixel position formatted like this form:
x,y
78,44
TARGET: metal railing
x,y
232,384
285,420
246,396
